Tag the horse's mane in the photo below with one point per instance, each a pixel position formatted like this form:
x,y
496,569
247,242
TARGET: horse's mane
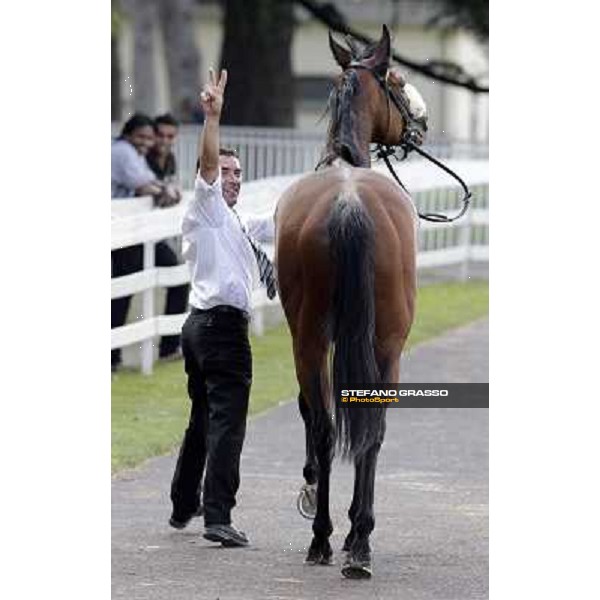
x,y
341,113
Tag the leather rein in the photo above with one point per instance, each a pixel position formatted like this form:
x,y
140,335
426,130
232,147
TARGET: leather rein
x,y
411,139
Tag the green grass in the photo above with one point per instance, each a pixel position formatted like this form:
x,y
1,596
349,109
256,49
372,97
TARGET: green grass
x,y
447,305
149,414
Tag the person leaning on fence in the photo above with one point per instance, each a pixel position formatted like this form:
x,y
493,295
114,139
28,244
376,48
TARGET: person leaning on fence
x,y
131,176
161,158
223,254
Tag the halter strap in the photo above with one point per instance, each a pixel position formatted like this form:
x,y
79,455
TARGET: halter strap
x,y
385,152
411,140
414,128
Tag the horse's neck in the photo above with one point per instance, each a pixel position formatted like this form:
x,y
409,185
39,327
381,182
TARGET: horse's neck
x,y
332,161
331,156
328,158
347,132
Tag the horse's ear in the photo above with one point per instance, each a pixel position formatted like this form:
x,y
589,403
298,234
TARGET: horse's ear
x,y
341,55
379,60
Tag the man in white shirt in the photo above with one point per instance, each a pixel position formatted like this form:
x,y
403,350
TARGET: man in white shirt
x,y
215,344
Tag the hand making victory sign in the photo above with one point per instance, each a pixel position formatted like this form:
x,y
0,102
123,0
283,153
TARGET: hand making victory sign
x,y
211,98
211,102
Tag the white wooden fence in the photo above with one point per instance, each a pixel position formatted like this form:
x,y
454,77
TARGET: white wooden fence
x,y
134,221
269,151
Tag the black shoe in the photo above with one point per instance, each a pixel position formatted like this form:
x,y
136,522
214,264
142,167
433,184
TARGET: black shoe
x,y
228,535
180,521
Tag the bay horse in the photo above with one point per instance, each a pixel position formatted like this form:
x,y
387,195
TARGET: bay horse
x,y
345,256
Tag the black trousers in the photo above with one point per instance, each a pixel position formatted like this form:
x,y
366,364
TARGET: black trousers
x,y
218,363
126,261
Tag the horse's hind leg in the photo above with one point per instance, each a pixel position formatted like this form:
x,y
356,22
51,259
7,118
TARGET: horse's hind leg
x,y
309,471
362,516
307,498
310,352
361,513
320,549
354,506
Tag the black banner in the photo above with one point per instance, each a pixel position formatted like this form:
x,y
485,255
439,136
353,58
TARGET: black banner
x,y
416,395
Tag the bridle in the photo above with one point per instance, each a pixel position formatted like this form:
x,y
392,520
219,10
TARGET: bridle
x,y
411,139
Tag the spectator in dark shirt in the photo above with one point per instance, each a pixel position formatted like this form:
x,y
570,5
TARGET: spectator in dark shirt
x,y
132,176
161,157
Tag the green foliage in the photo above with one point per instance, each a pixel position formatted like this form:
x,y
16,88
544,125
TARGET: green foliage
x,y
149,414
116,17
470,14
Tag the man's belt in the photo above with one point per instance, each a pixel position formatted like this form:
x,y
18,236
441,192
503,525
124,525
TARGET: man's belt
x,y
223,310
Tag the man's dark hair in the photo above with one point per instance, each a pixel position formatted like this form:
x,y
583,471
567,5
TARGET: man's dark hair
x,y
222,152
135,122
166,119
228,152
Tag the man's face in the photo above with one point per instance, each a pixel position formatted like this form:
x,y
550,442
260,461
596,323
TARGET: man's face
x,y
165,138
231,178
142,139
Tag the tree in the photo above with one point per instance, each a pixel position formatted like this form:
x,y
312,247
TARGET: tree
x,y
115,64
470,14
144,68
257,54
183,59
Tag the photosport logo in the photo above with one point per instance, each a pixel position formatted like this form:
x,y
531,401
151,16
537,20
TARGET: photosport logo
x,y
417,395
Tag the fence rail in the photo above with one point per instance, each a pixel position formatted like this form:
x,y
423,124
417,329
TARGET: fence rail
x,y
134,221
269,151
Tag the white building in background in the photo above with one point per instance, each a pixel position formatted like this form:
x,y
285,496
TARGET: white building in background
x,y
455,113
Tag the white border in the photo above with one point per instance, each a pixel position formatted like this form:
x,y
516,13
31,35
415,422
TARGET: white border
x,y
544,230
55,379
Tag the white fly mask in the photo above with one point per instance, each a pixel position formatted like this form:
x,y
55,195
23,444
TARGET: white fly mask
x,y
416,104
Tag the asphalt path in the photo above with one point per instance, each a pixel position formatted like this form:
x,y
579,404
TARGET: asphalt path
x,y
431,534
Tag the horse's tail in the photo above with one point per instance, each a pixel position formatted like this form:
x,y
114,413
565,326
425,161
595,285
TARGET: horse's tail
x,y
352,323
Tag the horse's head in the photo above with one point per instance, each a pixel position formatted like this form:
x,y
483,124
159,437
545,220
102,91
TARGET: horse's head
x,y
371,102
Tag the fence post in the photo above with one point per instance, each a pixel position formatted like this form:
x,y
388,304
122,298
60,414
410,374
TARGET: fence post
x,y
465,242
147,352
258,320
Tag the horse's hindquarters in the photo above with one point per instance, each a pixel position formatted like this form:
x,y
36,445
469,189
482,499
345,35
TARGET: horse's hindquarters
x,y
303,249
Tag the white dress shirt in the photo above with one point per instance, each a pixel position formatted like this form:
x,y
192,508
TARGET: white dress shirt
x,y
221,261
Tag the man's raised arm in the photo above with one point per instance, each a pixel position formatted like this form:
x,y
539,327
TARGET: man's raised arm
x,y
211,100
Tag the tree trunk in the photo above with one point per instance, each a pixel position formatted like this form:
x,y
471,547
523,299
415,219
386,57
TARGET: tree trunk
x,y
257,54
116,105
183,58
144,68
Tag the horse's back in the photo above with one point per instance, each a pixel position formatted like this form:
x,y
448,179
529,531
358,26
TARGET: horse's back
x,y
304,210
303,251
316,191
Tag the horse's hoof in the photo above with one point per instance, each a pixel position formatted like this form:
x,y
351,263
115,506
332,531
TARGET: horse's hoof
x,y
347,544
357,570
319,555
307,501
319,558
